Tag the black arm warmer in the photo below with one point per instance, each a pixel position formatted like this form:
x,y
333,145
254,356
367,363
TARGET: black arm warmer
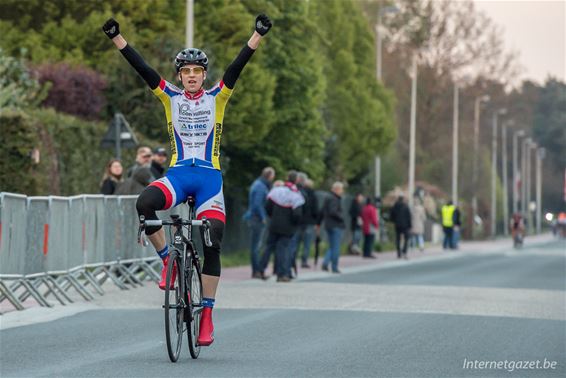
x,y
235,68
147,73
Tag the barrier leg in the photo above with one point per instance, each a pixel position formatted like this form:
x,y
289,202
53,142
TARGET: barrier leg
x,y
149,271
78,287
35,294
90,279
51,289
114,279
59,288
35,284
127,275
7,293
12,289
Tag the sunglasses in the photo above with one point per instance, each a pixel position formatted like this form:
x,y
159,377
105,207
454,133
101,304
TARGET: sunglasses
x,y
146,156
192,70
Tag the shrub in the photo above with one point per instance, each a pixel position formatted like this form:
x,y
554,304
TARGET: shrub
x,y
74,90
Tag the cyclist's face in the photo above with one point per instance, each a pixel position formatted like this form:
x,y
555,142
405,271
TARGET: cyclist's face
x,y
193,77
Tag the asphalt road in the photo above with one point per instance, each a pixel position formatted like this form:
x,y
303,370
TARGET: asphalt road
x,y
415,319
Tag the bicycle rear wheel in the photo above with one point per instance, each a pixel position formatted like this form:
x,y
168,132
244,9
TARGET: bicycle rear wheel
x,y
194,291
174,307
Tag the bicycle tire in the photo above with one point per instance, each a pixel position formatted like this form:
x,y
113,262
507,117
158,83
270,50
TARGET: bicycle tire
x,y
174,315
194,290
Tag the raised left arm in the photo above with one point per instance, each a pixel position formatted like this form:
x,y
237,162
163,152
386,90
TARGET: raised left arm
x,y
262,26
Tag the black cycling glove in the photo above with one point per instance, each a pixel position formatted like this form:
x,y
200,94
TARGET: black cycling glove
x,y
111,28
262,24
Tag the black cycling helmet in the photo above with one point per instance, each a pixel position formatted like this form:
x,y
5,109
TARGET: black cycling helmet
x,y
191,56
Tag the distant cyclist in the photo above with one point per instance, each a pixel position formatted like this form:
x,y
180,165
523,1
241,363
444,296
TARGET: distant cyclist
x,y
517,227
194,122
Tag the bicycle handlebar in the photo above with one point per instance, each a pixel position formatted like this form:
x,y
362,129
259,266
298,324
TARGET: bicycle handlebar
x,y
178,221
160,222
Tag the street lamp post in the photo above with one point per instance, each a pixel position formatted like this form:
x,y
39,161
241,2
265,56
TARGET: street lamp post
x,y
189,30
524,205
455,149
378,74
540,156
516,190
475,186
531,146
504,174
413,130
494,172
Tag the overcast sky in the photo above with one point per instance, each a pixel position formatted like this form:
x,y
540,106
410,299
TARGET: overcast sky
x,y
536,29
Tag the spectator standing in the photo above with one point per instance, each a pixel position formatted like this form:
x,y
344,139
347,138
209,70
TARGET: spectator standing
x,y
305,232
401,216
143,158
256,216
370,227
448,225
418,218
284,206
457,224
112,177
334,224
158,162
356,224
135,184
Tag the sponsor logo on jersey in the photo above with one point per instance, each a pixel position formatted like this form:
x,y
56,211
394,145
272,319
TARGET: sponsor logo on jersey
x,y
184,109
217,133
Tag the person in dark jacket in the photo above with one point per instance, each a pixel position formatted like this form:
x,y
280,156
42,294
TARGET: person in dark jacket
x,y
285,209
401,216
112,177
356,224
256,216
143,159
140,177
305,233
334,224
158,162
457,225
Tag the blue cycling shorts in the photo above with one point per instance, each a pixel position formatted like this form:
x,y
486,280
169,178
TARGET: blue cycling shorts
x,y
205,184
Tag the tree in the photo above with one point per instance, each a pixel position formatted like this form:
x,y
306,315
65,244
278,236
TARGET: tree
x,y
18,87
358,112
73,90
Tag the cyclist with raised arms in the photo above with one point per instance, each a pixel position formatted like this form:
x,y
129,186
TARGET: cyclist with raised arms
x,y
194,122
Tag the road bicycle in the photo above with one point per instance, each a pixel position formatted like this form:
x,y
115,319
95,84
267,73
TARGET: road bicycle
x,y
183,297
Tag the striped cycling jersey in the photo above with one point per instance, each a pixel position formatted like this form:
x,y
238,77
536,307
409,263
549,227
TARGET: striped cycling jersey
x,y
194,123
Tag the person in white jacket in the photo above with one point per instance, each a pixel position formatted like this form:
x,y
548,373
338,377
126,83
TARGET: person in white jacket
x,y
418,218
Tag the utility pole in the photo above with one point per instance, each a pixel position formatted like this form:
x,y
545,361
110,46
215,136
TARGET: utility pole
x,y
378,74
540,156
516,174
190,28
455,149
494,173
524,153
475,185
531,146
504,174
413,130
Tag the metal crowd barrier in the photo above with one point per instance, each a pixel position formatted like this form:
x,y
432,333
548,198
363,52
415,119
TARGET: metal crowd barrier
x,y
50,245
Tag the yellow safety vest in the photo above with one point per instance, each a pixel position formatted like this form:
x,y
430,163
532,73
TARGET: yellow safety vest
x,y
448,215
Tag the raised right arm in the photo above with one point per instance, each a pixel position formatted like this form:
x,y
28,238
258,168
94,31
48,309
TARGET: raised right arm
x,y
112,29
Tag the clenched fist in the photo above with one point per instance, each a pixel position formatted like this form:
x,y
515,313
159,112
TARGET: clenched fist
x,y
111,28
262,24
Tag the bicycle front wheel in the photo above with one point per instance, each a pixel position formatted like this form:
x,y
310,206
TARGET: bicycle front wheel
x,y
194,292
174,306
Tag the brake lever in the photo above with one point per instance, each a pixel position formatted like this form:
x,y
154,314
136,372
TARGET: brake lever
x,y
142,240
206,233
